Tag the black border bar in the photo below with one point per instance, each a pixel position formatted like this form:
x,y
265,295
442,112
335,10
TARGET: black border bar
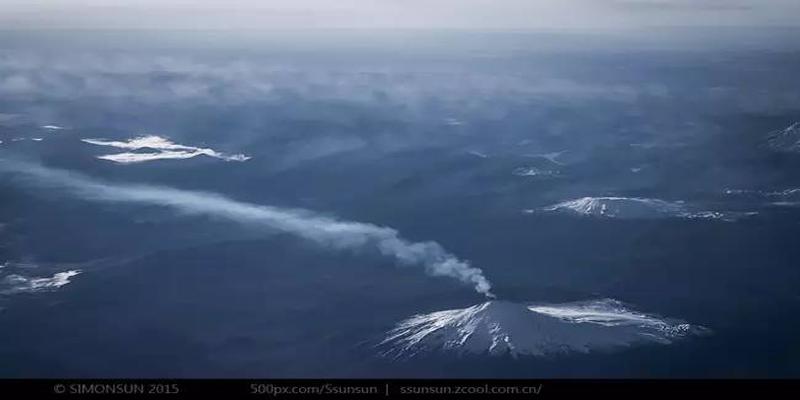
x,y
388,388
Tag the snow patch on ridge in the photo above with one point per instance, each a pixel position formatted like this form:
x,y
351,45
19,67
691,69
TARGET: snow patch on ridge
x,y
534,172
162,149
16,283
785,140
781,198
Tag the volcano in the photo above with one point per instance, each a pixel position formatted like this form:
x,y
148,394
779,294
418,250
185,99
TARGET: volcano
x,y
499,328
621,207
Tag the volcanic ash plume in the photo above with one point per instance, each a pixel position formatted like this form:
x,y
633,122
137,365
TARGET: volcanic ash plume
x,y
305,224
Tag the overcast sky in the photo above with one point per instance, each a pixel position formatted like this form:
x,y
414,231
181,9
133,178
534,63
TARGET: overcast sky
x,y
395,14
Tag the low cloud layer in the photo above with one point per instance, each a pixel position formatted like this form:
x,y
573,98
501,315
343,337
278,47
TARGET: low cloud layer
x,y
325,231
117,83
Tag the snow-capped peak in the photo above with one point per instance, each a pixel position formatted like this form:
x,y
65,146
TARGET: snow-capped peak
x,y
638,208
620,207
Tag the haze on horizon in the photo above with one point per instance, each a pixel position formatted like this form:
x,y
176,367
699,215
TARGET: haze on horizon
x,y
573,15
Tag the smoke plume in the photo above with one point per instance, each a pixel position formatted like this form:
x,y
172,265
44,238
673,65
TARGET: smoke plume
x,y
325,231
